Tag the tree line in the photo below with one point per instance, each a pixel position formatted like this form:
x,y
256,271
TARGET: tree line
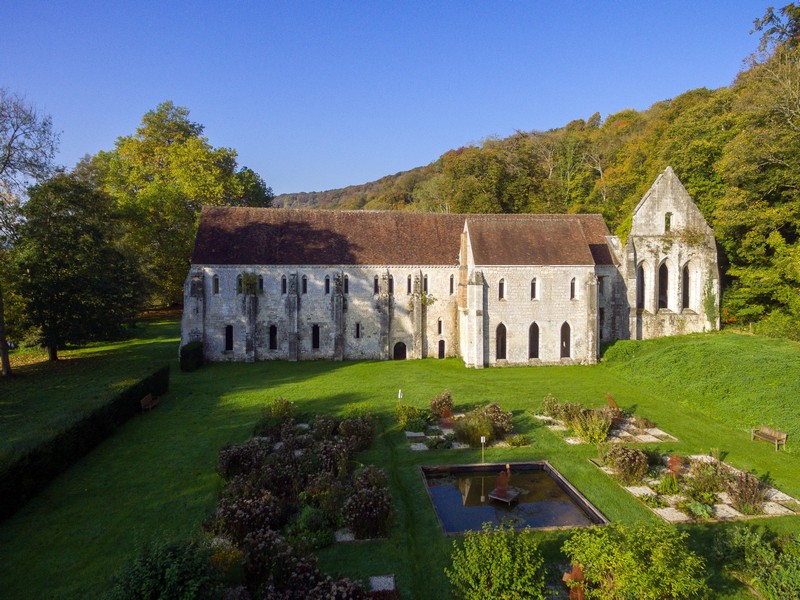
x,y
81,252
736,149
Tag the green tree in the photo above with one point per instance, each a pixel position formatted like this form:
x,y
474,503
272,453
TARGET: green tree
x,y
27,147
76,281
637,562
497,563
160,178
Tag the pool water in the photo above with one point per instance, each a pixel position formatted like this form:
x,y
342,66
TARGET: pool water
x,y
460,495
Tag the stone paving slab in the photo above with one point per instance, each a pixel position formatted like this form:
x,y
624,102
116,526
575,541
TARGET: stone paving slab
x,y
448,431
647,438
574,440
556,427
775,509
672,500
656,431
414,435
303,426
460,446
418,447
778,496
726,511
344,535
671,515
724,497
381,583
640,490
543,417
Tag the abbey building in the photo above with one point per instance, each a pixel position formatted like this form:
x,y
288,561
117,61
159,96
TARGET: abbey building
x,y
293,285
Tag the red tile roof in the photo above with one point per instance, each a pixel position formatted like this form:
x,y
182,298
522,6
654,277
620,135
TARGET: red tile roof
x,y
276,236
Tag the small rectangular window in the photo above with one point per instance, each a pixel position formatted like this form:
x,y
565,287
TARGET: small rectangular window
x,y
601,286
408,286
215,285
346,285
358,330
425,284
391,285
376,286
304,284
327,285
315,337
229,338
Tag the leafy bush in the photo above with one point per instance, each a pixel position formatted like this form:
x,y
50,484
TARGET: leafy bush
x,y
592,425
668,486
770,563
630,464
747,493
497,563
697,509
368,512
167,571
517,440
242,459
370,477
442,405
311,530
334,456
327,493
411,418
337,589
191,356
281,408
653,501
551,407
705,480
324,427
637,561
570,411
471,427
501,420
266,559
358,432
237,516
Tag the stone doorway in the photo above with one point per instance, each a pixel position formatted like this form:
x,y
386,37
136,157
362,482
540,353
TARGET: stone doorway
x,y
441,348
399,351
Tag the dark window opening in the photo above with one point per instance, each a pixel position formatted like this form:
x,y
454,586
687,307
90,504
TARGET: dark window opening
x,y
376,288
685,288
315,337
500,342
572,289
283,284
304,284
663,286
215,284
601,286
602,321
358,330
452,284
533,288
229,338
425,284
239,284
640,287
273,337
439,327
501,289
327,284
667,222
346,284
391,285
533,341
565,350
260,283
408,286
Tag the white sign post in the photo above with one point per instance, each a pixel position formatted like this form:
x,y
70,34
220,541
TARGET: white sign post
x,y
483,448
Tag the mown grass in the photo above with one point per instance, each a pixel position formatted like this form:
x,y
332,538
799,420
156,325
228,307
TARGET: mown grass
x,y
156,476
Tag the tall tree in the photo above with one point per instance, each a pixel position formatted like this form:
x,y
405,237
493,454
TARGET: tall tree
x,y
161,177
76,281
27,147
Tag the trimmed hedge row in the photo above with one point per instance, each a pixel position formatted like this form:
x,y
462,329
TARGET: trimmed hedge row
x,y
30,473
191,356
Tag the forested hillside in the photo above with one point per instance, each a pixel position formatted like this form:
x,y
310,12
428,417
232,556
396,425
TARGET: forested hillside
x,y
736,149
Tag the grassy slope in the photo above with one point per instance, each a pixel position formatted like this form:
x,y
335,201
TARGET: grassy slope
x,y
156,476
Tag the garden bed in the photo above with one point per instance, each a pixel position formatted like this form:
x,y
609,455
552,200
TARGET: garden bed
x,y
626,430
703,488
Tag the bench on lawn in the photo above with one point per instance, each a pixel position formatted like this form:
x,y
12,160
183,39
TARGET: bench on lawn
x,y
149,402
768,434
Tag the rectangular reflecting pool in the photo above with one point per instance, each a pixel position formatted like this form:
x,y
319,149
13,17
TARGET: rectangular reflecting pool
x,y
530,494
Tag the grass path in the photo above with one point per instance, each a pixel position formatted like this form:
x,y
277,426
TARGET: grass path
x,y
156,476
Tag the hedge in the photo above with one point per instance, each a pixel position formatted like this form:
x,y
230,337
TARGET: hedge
x,y
191,356
25,476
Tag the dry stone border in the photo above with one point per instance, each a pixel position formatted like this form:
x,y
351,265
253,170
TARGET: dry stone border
x,y
777,504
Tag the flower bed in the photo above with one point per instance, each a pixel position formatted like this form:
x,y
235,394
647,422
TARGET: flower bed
x,y
696,488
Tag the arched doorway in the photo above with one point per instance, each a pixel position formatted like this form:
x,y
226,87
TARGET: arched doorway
x,y
663,286
441,348
533,341
399,351
565,333
500,342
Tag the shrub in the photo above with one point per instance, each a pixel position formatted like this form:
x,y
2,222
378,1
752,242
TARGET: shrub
x,y
358,432
368,512
551,407
370,477
167,571
501,420
630,464
517,440
746,492
311,530
697,509
471,427
770,563
337,589
442,405
592,425
266,556
638,561
324,427
704,481
570,411
237,516
242,459
440,443
653,501
191,356
668,486
273,416
334,456
411,418
497,563
281,408
675,465
326,492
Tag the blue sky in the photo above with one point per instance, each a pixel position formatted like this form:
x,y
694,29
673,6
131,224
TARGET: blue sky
x,y
320,95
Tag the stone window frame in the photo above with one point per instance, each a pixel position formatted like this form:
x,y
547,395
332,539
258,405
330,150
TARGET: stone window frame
x,y
439,327
501,289
376,286
667,222
304,285
686,290
424,284
534,289
533,348
501,342
239,283
390,283
327,284
284,284
663,286
565,344
215,285
572,289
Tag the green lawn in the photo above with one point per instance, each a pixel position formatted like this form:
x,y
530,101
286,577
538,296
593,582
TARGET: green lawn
x,y
156,475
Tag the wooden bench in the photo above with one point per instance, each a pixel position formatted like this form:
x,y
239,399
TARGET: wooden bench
x,y
768,434
149,402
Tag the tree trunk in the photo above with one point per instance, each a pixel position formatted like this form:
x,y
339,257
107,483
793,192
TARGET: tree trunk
x,y
6,363
52,352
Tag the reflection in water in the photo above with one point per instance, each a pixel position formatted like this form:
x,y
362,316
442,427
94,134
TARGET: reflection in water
x,y
463,504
